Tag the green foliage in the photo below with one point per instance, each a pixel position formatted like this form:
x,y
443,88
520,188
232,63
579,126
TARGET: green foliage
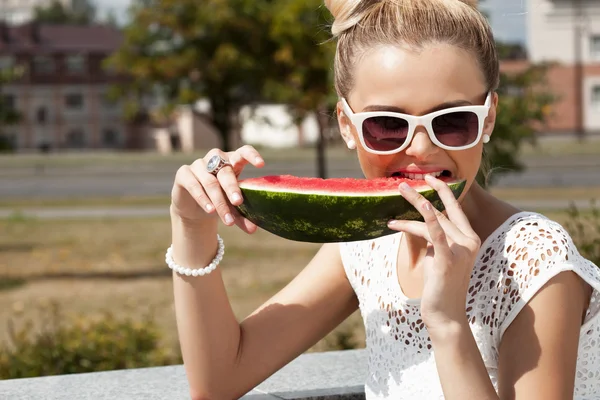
x,y
342,339
57,13
182,51
584,229
230,52
85,344
524,101
302,67
11,283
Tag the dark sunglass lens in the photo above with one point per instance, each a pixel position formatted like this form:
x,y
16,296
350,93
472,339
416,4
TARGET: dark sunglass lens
x,y
385,133
456,129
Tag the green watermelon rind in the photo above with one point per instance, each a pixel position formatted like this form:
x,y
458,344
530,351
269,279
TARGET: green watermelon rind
x,y
331,218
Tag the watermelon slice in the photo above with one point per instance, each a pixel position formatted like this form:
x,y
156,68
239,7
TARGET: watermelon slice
x,y
332,210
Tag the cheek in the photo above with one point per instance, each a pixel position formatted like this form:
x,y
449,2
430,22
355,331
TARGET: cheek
x,y
373,166
468,162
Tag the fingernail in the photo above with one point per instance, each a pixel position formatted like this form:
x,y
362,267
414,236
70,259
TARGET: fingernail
x,y
235,197
392,222
404,186
209,207
259,160
427,206
229,219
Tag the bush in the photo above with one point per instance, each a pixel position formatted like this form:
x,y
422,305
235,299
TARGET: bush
x,y
82,344
6,146
584,228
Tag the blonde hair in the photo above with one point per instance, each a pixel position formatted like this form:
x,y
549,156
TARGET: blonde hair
x,y
362,24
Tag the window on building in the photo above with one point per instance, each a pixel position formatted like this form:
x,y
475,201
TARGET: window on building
x,y
110,137
596,97
74,101
41,115
76,138
595,47
43,65
76,64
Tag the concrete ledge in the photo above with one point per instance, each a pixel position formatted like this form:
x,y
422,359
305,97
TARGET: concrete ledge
x,y
315,376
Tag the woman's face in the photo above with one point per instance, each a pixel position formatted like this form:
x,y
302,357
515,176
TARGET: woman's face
x,y
390,78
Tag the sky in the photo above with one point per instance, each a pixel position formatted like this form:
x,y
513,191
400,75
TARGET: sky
x,y
507,16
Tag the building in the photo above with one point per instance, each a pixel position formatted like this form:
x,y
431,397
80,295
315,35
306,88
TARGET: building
x,y
567,32
63,95
22,11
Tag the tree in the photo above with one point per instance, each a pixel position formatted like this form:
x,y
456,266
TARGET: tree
x,y
184,51
303,65
82,13
524,101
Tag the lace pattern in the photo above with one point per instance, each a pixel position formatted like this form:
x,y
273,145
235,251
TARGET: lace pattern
x,y
513,264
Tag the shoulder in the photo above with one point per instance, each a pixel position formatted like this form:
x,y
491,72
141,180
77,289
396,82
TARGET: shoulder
x,y
528,252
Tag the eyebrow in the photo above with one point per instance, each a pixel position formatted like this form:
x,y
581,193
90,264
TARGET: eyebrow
x,y
449,104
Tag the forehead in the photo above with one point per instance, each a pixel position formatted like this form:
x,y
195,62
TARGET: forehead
x,y
415,81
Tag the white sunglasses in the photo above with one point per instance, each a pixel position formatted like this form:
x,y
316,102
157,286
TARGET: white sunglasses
x,y
385,132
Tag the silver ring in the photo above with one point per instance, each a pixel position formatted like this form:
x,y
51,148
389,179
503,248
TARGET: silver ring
x,y
215,164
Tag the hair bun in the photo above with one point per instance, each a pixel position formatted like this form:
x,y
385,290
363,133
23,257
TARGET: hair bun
x,y
348,13
344,13
471,3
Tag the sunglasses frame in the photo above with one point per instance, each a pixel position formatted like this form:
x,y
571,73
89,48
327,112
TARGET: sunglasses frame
x,y
357,119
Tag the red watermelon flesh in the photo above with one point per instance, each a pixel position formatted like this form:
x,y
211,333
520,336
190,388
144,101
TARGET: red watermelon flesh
x,y
350,186
332,210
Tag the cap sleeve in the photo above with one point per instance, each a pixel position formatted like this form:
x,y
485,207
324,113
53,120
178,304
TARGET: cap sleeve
x,y
536,250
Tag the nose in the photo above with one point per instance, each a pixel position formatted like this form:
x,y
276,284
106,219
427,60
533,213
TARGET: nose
x,y
421,145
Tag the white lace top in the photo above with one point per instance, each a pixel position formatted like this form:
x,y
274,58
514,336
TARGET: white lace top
x,y
512,265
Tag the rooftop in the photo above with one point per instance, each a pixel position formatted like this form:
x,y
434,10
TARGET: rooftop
x,y
46,38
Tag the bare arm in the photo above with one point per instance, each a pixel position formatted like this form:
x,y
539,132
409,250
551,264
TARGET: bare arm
x,y
538,353
224,359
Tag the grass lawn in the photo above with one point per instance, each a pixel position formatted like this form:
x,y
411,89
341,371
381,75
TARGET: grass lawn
x,y
92,265
87,266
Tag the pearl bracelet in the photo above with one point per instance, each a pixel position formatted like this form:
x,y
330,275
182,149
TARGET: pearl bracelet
x,y
196,272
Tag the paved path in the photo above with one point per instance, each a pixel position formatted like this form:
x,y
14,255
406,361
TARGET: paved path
x,y
157,180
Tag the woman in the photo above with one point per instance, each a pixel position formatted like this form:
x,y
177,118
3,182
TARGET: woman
x,y
481,302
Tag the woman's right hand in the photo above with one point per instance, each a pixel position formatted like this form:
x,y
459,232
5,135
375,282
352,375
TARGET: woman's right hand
x,y
198,196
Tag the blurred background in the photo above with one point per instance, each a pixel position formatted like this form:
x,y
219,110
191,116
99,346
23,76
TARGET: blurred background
x,y
102,100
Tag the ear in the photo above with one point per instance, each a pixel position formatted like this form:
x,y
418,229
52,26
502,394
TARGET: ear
x,y
490,121
345,125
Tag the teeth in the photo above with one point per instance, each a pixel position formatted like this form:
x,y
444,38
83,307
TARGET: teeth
x,y
420,176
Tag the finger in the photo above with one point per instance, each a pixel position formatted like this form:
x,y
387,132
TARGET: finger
x,y
251,155
413,227
419,202
244,224
451,204
212,188
187,180
436,231
229,183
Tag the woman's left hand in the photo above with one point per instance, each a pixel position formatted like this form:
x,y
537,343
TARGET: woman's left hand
x,y
452,247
